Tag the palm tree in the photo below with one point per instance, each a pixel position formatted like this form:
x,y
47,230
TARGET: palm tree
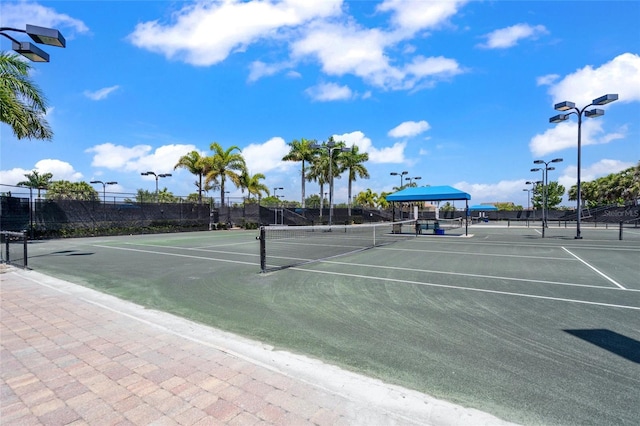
x,y
225,164
253,185
196,165
301,151
36,180
366,198
23,104
352,161
318,171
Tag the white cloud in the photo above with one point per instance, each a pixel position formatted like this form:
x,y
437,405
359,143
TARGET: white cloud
x,y
409,129
413,16
503,191
265,157
547,80
350,49
61,170
603,167
620,75
100,94
565,135
18,13
393,154
329,92
509,36
205,33
139,158
13,176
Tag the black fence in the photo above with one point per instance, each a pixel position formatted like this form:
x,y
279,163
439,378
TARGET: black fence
x,y
61,218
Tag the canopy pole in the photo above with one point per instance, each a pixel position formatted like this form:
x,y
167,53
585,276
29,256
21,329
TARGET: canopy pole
x,y
466,219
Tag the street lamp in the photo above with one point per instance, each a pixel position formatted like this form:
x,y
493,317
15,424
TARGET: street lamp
x,y
161,175
412,178
330,146
274,191
41,35
596,112
401,174
545,189
104,186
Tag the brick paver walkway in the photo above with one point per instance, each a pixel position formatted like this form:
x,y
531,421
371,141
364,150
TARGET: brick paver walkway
x,y
71,355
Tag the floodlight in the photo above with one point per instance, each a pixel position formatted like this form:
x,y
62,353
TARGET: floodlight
x,y
556,160
30,51
603,100
558,118
596,112
564,106
47,36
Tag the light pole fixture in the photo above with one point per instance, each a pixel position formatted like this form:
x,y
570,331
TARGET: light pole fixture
x,y
401,174
411,179
596,112
41,35
330,146
157,176
545,188
274,191
104,186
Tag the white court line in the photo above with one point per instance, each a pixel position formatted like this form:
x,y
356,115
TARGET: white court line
x,y
463,274
480,290
593,268
178,255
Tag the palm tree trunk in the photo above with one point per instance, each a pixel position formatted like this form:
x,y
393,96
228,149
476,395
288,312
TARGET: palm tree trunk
x,y
349,209
321,198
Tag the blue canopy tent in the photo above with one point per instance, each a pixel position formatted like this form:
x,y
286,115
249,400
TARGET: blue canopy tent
x,y
484,208
430,193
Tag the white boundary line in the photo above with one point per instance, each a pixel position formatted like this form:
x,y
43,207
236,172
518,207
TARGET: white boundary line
x,y
594,269
480,290
178,255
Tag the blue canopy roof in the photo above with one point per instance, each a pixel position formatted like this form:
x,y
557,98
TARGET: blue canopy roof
x,y
484,207
428,193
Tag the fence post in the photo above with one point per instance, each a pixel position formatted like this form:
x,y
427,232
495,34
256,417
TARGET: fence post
x,y
263,250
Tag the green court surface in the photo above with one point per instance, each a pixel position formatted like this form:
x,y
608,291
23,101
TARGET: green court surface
x,y
532,330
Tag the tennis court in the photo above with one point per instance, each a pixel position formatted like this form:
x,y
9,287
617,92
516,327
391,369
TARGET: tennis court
x,y
532,330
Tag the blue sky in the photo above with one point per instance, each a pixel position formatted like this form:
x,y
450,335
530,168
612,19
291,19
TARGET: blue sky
x,y
457,92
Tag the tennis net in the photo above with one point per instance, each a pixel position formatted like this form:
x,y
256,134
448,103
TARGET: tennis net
x,y
286,246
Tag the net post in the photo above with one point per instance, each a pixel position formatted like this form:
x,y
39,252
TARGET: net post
x,y
263,250
620,232
24,247
6,241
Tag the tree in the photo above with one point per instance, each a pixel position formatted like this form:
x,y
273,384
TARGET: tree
x,y
195,164
366,198
615,188
65,190
23,104
554,192
352,161
225,164
164,196
381,200
36,180
253,185
301,151
145,196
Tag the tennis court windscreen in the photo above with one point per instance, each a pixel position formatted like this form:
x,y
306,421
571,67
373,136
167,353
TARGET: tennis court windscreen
x,y
286,246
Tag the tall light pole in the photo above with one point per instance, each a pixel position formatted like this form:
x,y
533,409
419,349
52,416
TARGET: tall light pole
x,y
545,194
104,194
596,112
104,188
331,146
533,184
393,211
41,35
161,175
274,191
410,179
401,174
